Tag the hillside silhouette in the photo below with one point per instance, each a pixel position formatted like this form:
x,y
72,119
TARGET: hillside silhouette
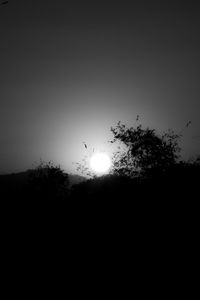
x,y
147,168
146,215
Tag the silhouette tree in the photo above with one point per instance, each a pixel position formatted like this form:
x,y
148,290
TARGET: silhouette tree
x,y
144,151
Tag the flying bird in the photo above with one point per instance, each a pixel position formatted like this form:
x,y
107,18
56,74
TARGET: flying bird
x,y
85,145
4,2
188,123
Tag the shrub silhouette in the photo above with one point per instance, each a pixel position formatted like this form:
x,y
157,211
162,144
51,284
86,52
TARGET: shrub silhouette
x,y
48,182
146,153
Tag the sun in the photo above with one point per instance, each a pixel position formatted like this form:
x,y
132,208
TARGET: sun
x,y
100,163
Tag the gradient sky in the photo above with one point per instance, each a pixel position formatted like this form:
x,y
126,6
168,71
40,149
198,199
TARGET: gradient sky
x,y
69,70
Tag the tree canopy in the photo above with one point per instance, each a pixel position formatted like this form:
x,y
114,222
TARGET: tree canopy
x,y
145,152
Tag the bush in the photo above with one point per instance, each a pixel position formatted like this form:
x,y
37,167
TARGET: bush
x,y
48,181
145,152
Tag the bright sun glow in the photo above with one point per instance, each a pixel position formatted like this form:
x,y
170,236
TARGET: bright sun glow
x,y
100,163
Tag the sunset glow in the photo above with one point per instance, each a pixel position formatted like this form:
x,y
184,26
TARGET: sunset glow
x,y
100,163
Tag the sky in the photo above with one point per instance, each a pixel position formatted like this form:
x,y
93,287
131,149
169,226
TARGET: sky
x,y
69,70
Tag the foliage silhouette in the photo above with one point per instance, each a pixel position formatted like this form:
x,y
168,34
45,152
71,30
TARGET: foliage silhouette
x,y
146,166
145,152
172,191
84,168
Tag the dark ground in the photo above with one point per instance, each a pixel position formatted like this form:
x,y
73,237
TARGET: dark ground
x,y
106,232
